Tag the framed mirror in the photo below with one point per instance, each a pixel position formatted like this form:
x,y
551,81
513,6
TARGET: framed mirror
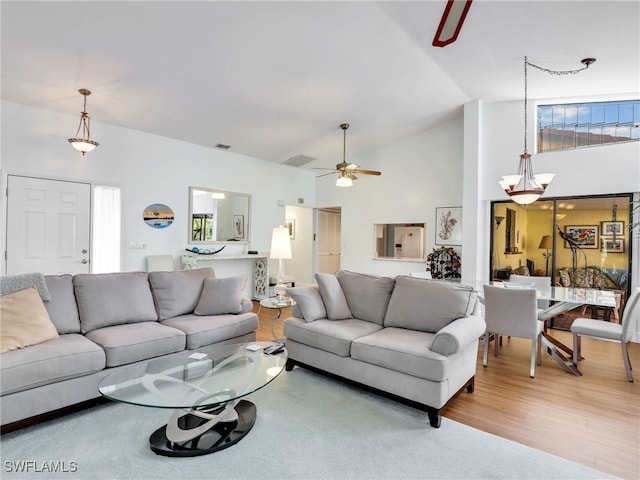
x,y
218,216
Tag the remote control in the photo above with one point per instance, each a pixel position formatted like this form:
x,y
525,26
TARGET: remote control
x,y
273,349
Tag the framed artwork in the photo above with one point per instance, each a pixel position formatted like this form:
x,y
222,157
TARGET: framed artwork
x,y
448,226
158,215
238,227
610,245
585,236
611,228
291,225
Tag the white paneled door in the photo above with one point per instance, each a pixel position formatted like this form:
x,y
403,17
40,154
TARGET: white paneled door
x,y
48,226
329,234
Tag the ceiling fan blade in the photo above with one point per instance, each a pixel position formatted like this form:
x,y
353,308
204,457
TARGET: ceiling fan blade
x,y
351,176
320,168
367,172
325,174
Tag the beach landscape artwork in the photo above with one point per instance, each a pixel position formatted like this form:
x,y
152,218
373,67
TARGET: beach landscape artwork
x,y
158,215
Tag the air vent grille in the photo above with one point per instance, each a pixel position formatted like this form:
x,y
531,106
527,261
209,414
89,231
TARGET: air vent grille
x,y
298,160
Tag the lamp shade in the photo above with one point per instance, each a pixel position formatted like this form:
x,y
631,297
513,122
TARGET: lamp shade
x,y
546,242
280,243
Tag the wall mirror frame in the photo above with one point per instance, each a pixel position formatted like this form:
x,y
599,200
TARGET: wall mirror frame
x,y
218,216
400,241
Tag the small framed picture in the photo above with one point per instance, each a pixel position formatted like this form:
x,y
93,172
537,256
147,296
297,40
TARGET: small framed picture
x,y
610,245
612,228
291,225
585,236
449,226
238,227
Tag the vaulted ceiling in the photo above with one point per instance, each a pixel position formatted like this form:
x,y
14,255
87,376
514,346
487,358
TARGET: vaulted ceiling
x,y
275,79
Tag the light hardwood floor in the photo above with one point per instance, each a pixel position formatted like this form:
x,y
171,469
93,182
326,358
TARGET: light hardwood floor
x,y
593,419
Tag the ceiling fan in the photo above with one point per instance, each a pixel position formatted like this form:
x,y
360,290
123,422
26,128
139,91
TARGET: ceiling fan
x,y
347,171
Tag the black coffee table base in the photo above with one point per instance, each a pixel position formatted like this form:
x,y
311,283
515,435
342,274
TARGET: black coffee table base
x,y
222,435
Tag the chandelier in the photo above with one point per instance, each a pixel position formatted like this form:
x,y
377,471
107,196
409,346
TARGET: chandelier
x,y
84,143
525,187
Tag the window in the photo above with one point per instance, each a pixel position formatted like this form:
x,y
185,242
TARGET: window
x,y
105,257
577,125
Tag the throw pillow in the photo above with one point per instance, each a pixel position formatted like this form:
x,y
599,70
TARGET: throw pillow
x,y
221,295
309,301
15,283
25,320
367,295
333,297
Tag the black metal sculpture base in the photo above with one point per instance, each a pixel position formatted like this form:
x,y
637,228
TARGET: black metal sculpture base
x,y
221,435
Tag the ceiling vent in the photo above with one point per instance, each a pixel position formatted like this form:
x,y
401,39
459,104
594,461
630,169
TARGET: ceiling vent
x,y
223,146
299,160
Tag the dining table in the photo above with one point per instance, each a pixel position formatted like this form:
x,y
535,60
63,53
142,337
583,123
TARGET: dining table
x,y
560,299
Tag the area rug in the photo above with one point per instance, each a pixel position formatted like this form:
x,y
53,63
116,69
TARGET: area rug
x,y
309,426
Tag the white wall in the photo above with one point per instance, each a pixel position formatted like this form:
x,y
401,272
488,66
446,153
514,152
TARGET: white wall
x,y
148,169
419,173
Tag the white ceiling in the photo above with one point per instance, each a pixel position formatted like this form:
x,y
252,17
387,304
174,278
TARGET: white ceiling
x,y
275,79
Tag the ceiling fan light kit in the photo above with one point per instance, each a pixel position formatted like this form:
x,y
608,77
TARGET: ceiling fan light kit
x,y
83,143
347,171
525,187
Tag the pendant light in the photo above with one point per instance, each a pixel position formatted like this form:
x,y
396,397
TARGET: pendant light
x,y
525,187
84,143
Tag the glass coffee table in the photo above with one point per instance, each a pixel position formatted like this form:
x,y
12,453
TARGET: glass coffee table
x,y
205,387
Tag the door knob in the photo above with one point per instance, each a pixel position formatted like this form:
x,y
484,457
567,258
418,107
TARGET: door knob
x,y
84,250
84,260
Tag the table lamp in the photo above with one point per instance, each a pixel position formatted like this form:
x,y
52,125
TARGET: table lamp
x,y
546,243
281,250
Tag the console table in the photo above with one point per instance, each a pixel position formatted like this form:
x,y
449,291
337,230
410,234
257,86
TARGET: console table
x,y
260,268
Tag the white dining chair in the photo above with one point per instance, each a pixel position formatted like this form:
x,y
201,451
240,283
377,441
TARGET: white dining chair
x,y
512,312
542,284
608,331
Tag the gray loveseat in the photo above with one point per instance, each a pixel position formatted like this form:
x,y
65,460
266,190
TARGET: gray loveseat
x,y
413,338
105,322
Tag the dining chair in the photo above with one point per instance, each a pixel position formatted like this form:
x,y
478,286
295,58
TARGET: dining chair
x,y
609,331
512,312
541,283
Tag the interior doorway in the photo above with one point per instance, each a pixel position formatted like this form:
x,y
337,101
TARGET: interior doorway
x,y
328,239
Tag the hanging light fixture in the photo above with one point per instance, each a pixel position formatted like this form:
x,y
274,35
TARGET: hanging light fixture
x,y
525,187
84,143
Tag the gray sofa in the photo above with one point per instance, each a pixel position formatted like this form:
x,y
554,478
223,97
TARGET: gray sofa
x,y
106,322
412,338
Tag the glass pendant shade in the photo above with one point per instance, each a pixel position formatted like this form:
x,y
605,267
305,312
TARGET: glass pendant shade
x,y
527,189
344,181
82,140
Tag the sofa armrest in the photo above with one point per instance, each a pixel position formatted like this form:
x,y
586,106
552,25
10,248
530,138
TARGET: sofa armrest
x,y
458,334
246,304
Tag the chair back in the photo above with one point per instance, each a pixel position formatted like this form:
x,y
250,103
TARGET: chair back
x,y
542,284
631,316
160,263
511,312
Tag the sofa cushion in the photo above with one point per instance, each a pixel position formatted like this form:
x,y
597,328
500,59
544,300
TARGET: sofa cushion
x,y
62,358
367,295
404,351
133,342
333,297
328,335
309,301
205,330
108,299
428,305
177,293
221,295
15,283
25,320
62,308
